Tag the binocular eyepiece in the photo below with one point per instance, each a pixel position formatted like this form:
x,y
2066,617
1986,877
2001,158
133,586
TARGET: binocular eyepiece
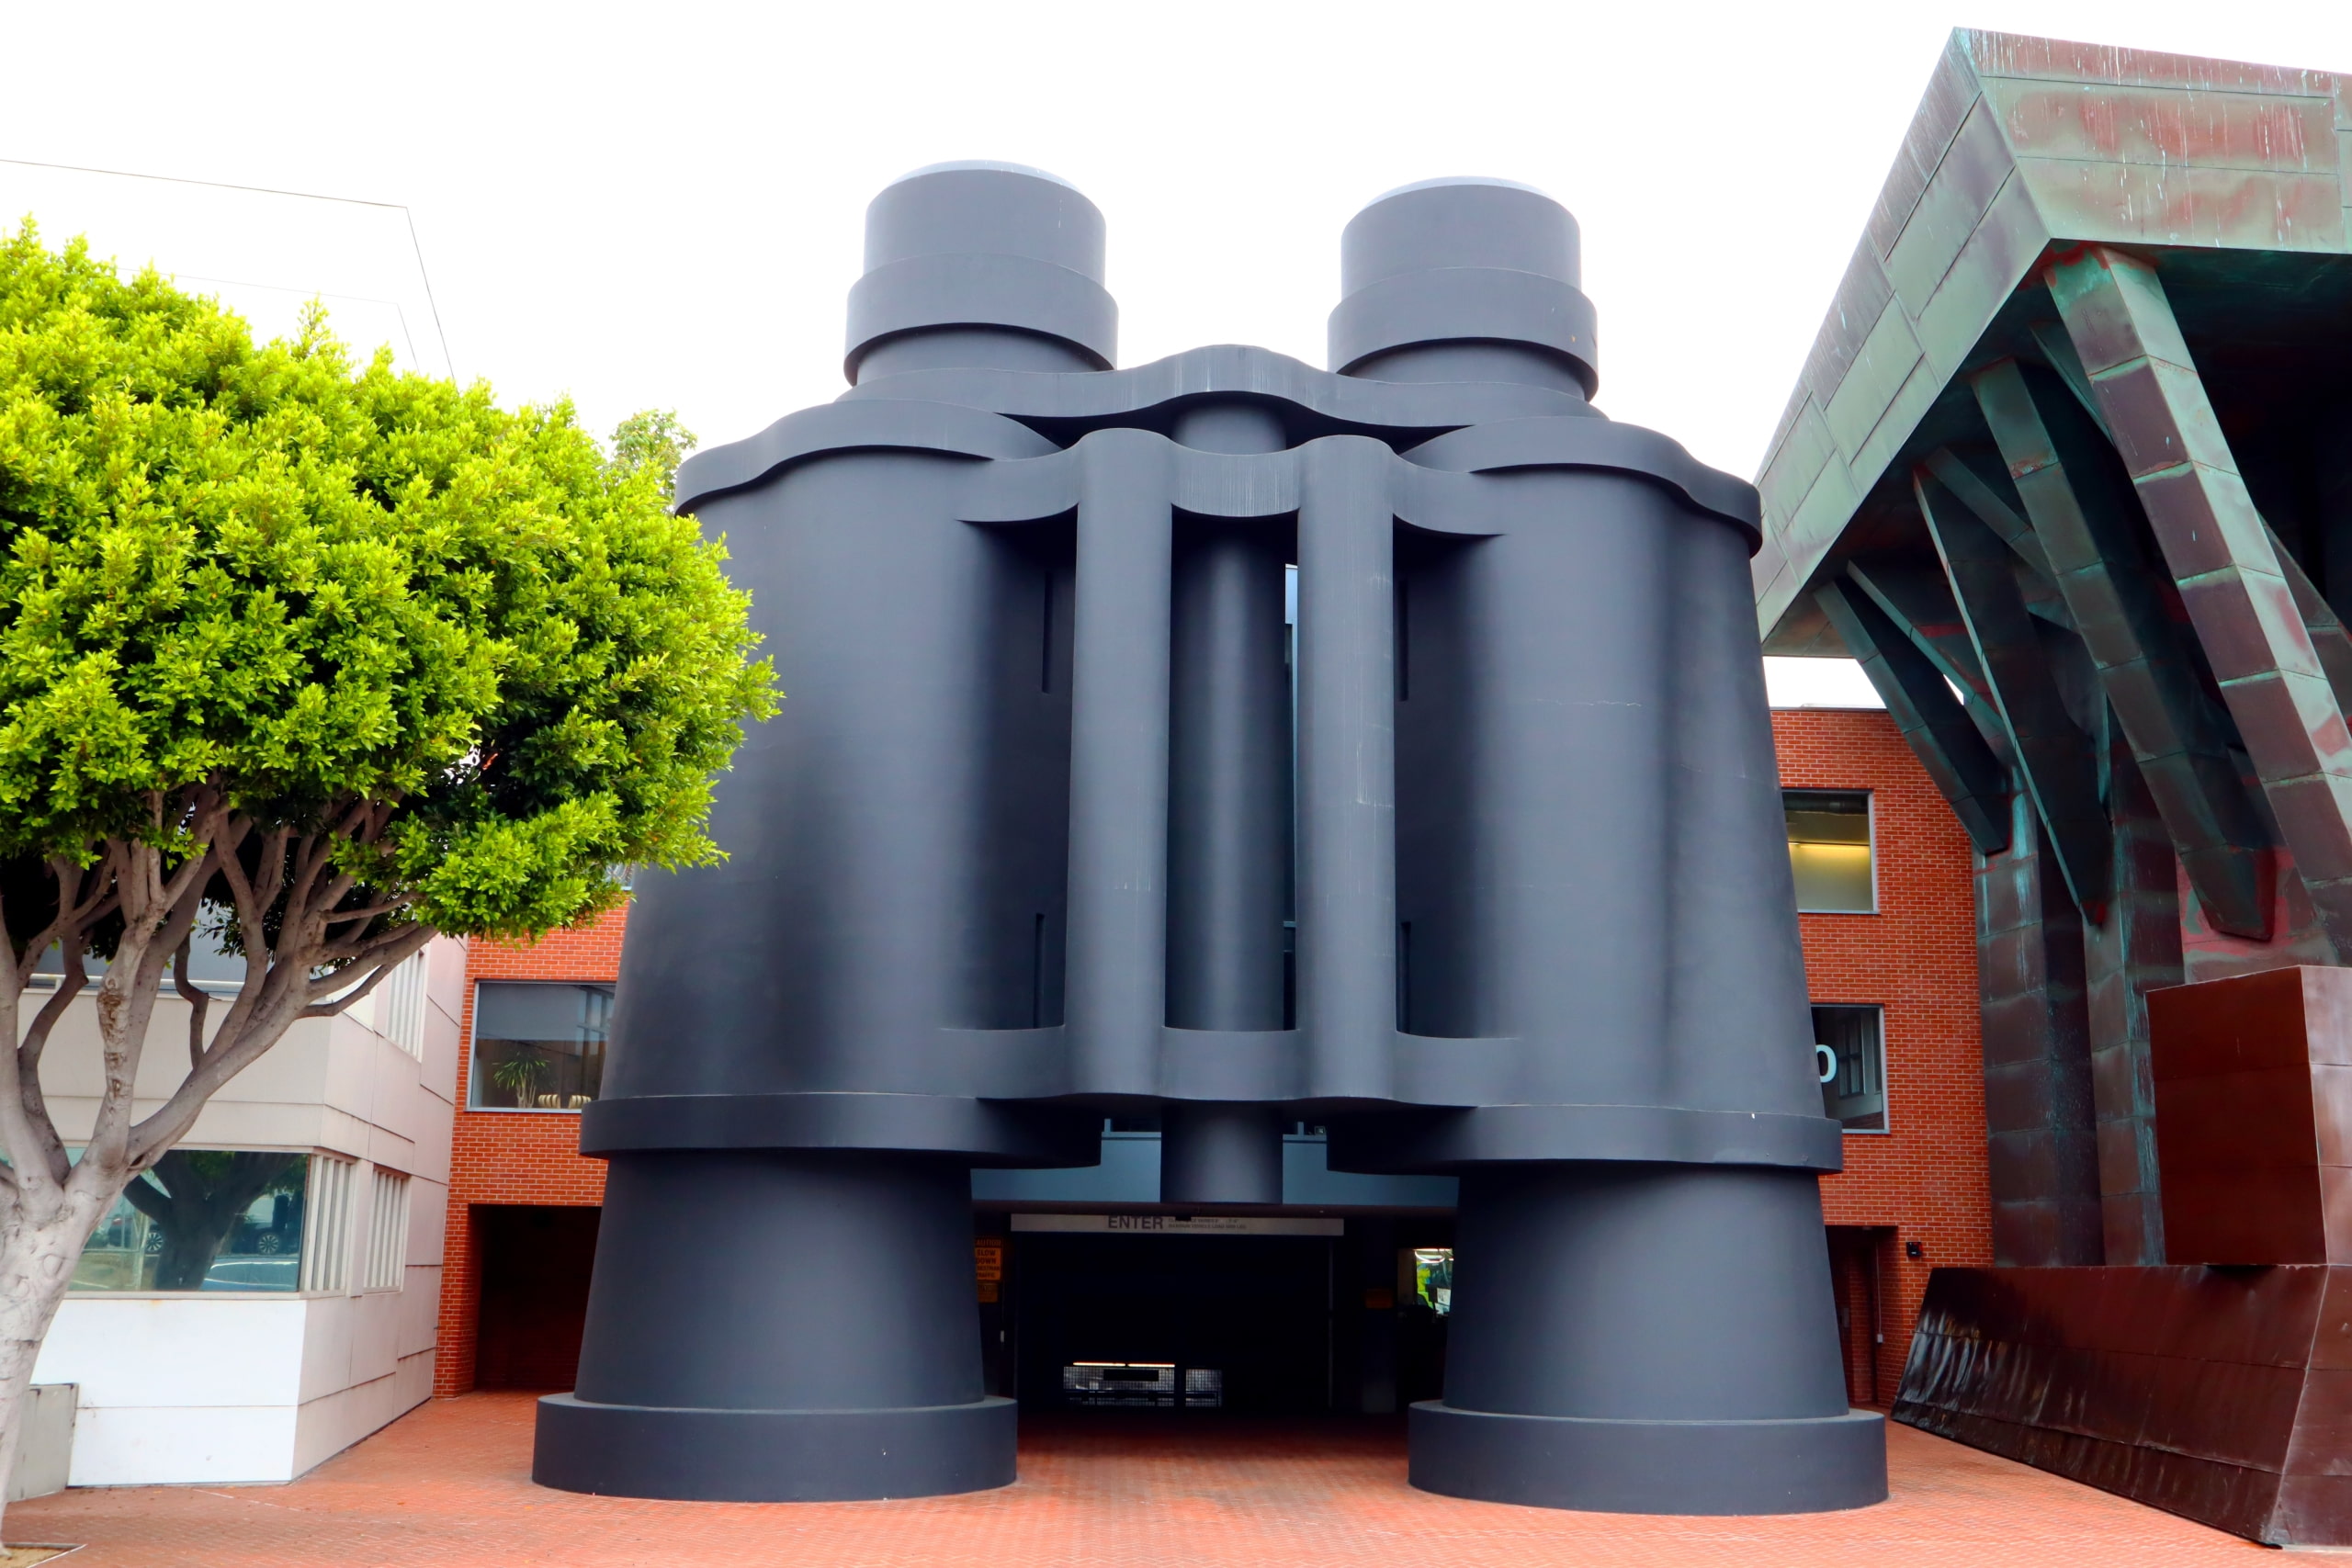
x,y
999,267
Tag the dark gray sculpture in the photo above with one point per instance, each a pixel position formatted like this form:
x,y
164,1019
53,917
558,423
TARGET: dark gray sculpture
x,y
1019,853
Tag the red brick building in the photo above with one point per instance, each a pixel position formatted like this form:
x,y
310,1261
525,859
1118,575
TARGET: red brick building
x,y
523,1202
521,1197
1921,1184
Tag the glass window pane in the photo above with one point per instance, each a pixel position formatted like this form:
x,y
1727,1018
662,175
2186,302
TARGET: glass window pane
x,y
203,1220
1829,850
208,967
1433,1278
1850,1054
538,1047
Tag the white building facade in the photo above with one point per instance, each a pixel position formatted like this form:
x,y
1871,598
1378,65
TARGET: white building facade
x,y
271,1295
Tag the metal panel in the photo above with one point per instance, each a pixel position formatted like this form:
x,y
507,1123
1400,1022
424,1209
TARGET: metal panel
x,y
1880,368
2205,1392
2146,204
2220,553
1918,601
1803,452
1903,410
2041,1150
2134,950
1971,173
1997,257
2169,127
2083,511
1963,768
2056,761
1951,92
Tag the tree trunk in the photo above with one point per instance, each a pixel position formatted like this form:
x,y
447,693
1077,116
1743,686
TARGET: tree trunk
x,y
36,1267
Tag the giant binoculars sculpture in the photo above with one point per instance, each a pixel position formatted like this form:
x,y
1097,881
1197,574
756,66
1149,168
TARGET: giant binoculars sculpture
x,y
1050,787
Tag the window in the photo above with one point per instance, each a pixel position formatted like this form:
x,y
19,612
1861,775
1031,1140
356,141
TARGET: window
x,y
1433,1278
206,1220
387,1231
538,1047
402,1006
326,1242
1829,850
1849,1053
210,969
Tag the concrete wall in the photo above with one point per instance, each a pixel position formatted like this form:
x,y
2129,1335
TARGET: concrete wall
x,y
45,1448
226,1386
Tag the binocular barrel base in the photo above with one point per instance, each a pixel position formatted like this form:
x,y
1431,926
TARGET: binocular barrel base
x,y
773,1456
1804,1465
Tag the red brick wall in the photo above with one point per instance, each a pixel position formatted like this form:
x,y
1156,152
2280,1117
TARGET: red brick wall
x,y
525,1158
1916,958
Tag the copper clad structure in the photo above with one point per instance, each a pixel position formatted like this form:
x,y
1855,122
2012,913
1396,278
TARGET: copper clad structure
x,y
2069,469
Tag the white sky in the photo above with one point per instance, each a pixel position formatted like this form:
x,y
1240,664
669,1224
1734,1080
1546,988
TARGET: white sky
x,y
662,205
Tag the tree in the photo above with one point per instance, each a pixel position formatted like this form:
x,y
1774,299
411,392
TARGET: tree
x,y
315,661
652,438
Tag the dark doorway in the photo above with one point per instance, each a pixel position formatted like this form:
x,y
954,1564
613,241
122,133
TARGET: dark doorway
x,y
1856,1271
1256,1310
534,1267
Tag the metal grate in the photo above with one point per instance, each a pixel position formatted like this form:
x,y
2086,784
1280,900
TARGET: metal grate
x,y
387,1231
403,1005
326,1228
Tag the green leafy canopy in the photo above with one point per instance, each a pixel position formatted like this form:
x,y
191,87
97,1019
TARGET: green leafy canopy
x,y
311,586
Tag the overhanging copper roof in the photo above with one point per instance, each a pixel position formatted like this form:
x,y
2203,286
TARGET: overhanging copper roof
x,y
2236,179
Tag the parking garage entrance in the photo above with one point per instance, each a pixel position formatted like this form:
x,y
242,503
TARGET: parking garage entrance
x,y
1263,1314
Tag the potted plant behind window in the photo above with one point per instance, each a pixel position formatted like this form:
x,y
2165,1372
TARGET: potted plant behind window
x,y
519,1075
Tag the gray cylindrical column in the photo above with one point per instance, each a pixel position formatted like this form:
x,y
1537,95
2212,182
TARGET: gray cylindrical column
x,y
1463,280
1598,872
1631,1291
820,1341
1739,1028
1229,797
769,1324
1347,937
1645,1339
1574,651
1216,1152
1115,996
1228,817
981,265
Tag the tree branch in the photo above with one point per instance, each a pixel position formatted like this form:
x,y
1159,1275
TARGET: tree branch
x,y
198,1001
279,990
252,900
69,986
343,916
71,916
159,911
294,880
25,1123
402,946
28,1105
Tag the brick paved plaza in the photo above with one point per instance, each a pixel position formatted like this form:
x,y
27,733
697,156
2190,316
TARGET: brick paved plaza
x,y
449,1486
